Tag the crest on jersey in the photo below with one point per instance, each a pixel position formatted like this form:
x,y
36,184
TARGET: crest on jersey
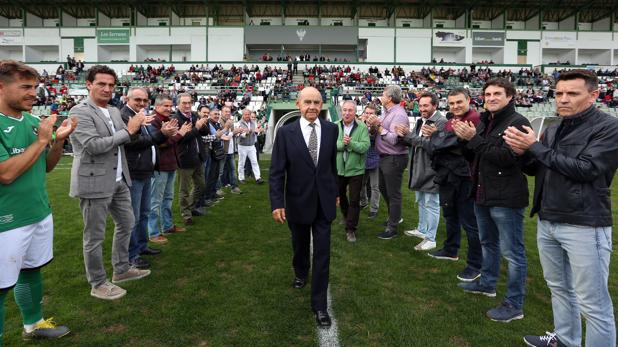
x,y
35,130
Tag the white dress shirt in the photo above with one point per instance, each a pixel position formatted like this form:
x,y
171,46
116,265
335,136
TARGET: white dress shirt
x,y
119,165
306,129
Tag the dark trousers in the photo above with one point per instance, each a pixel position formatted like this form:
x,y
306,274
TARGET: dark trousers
x,y
460,213
391,174
349,201
301,238
212,176
140,201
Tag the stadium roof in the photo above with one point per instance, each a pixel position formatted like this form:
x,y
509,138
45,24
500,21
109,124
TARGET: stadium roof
x,y
552,10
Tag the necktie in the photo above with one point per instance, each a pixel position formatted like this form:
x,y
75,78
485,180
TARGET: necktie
x,y
313,144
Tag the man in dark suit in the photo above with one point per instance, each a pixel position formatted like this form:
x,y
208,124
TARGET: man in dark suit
x,y
303,190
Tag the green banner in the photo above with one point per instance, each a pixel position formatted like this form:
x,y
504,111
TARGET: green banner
x,y
113,35
522,47
78,45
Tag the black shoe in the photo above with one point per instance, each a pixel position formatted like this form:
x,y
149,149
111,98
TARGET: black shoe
x,y
443,255
299,283
140,263
259,181
387,235
372,215
189,221
385,224
322,319
198,212
469,275
151,251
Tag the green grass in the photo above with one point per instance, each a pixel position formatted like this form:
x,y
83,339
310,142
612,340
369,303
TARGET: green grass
x,y
226,282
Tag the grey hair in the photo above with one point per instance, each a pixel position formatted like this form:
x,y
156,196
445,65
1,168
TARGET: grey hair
x,y
161,98
134,89
394,92
246,109
183,95
349,102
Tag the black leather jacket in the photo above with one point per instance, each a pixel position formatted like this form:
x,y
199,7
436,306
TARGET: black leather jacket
x,y
190,151
574,164
139,150
498,170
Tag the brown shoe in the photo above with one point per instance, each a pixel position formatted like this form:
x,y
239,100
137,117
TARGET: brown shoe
x,y
159,239
176,229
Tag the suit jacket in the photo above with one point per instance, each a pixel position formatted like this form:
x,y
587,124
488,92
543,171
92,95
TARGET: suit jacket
x,y
295,182
95,151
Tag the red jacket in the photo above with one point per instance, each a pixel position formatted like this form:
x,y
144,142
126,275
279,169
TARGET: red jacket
x,y
167,150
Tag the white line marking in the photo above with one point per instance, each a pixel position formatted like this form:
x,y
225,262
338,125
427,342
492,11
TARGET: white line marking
x,y
327,337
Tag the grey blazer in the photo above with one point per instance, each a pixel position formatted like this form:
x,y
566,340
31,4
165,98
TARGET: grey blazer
x,y
95,151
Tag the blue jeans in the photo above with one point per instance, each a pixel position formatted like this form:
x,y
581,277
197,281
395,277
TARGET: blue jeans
x,y
428,214
501,231
140,201
161,202
575,261
227,175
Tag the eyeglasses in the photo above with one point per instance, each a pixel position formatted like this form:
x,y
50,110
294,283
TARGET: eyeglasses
x,y
140,100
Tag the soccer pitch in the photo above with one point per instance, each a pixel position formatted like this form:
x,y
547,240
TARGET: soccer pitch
x,y
227,282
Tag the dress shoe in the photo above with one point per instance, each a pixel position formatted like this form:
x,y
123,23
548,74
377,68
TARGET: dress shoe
x,y
299,283
140,263
322,319
198,212
188,221
150,251
259,181
175,230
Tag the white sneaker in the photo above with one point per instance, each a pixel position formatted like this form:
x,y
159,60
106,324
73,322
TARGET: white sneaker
x,y
108,291
415,232
425,245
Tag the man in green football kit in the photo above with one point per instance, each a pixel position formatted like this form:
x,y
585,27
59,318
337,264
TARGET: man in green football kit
x,y
26,225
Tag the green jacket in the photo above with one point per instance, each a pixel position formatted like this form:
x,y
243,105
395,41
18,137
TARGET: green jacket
x,y
351,158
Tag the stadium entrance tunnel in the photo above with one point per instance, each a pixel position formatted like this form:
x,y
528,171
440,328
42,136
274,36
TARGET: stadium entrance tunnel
x,y
279,118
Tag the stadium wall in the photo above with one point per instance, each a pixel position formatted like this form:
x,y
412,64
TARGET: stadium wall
x,y
384,45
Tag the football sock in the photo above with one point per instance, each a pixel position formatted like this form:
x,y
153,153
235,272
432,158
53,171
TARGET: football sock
x,y
29,296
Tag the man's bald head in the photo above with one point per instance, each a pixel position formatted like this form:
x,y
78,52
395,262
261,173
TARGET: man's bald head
x,y
309,103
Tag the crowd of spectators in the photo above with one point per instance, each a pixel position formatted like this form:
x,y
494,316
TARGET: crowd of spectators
x,y
333,81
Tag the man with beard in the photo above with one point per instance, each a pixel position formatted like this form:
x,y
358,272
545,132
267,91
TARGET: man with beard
x,y
26,233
